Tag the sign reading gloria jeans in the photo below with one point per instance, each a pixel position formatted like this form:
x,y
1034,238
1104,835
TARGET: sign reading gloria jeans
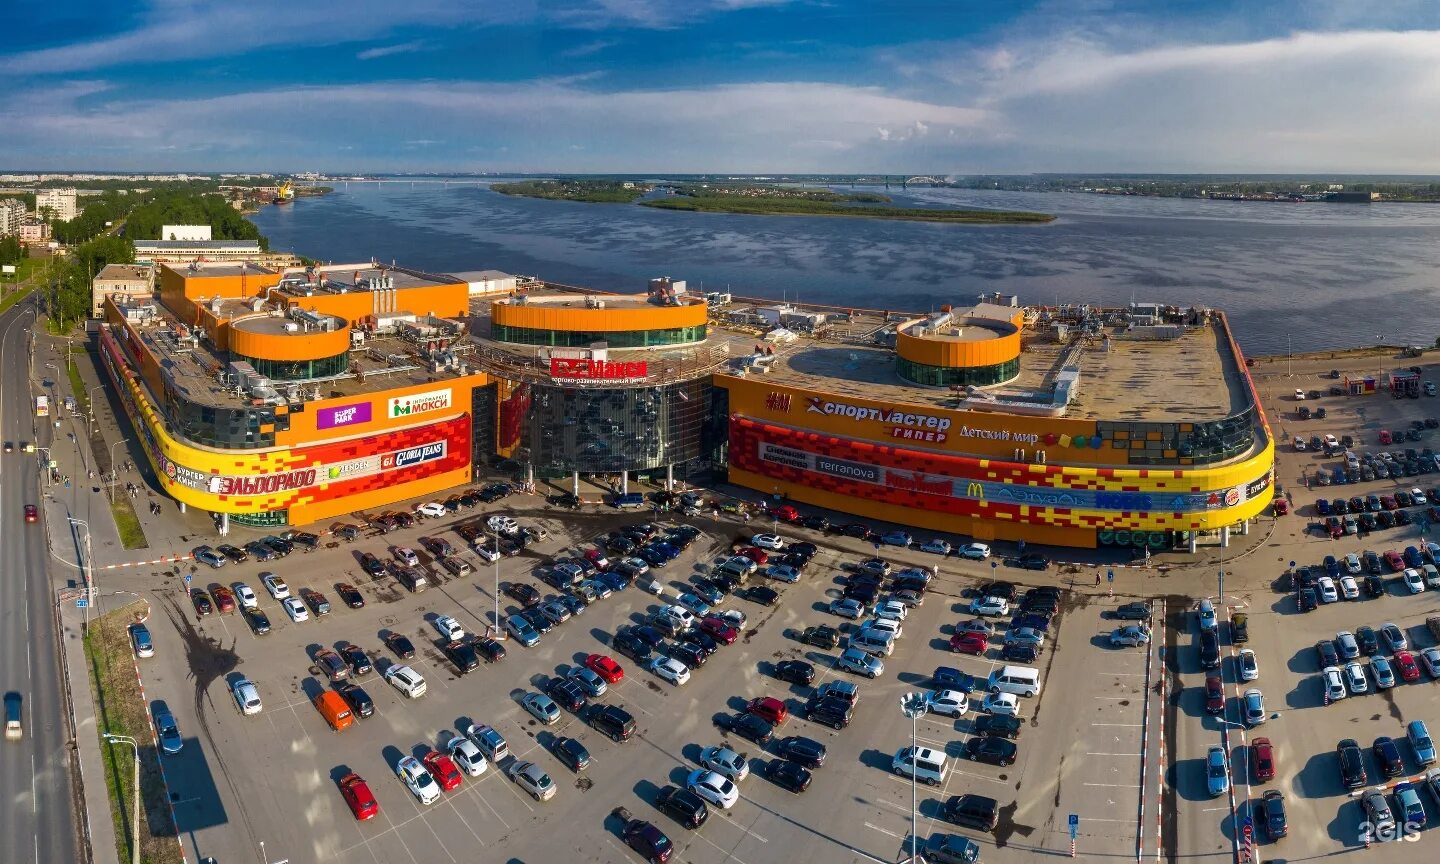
x,y
589,369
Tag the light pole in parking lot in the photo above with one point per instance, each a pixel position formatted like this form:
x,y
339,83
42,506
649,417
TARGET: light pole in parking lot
x,y
495,549
89,572
135,802
913,705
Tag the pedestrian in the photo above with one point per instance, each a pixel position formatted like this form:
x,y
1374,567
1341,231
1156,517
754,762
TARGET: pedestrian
x,y
1097,578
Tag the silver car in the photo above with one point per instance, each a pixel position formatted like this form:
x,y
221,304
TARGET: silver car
x,y
857,661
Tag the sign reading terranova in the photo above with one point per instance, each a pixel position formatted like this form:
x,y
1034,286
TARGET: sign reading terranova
x,y
419,403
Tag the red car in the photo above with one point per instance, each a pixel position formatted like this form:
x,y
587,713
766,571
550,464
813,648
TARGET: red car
x,y
1214,695
786,513
1409,669
443,769
1388,503
357,794
769,709
1394,561
1281,506
605,667
224,599
31,514
719,630
1262,759
1334,527
969,643
596,557
755,554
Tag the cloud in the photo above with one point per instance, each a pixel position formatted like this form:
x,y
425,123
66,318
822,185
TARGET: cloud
x,y
589,48
388,50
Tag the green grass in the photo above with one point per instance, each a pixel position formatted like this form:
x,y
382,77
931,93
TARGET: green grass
x,y
132,536
120,709
77,386
15,296
803,207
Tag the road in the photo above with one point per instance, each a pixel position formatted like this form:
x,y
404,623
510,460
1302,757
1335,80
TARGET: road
x,y
39,823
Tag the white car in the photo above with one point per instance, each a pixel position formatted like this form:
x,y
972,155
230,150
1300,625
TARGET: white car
x,y
713,788
247,696
1349,588
1003,704
682,618
892,609
485,551
950,703
533,779
433,509
1414,580
275,585
975,551
503,524
726,762
670,669
1249,666
1253,704
466,755
651,584
734,617
1331,441
767,541
1299,444
783,573
847,607
295,609
1334,683
1417,497
246,595
1356,679
541,707
449,628
1328,592
1299,395
990,606
936,546
1353,565
888,625
418,780
406,680
405,555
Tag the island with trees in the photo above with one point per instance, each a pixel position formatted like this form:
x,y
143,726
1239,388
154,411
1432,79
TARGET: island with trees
x,y
587,191
799,201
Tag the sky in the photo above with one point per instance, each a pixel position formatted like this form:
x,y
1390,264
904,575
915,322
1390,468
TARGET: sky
x,y
743,86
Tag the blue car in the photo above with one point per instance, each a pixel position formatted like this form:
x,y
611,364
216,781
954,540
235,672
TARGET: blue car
x,y
1323,507
949,678
1413,558
615,580
1407,801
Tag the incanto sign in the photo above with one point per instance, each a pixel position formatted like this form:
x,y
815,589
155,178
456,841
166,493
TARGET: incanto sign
x,y
586,369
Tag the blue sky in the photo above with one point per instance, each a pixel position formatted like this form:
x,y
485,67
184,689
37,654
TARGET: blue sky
x,y
923,86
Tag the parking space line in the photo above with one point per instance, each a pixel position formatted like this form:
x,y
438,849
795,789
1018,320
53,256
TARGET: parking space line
x,y
1137,755
728,854
885,831
1114,785
1128,725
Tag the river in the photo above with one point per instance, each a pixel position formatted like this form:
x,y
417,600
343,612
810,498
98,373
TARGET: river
x,y
1291,276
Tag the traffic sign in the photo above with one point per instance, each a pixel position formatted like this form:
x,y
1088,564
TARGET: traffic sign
x,y
187,578
1110,574
81,603
1074,826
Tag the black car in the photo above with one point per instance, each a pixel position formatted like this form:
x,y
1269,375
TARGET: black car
x,y
759,594
725,580
1367,522
974,811
572,753
470,499
612,720
816,523
1326,653
1352,763
631,646
522,592
1372,562
1047,606
683,806
1032,561
355,656
691,655
747,726
700,639
1387,756
1374,585
865,592
346,532
349,595
795,671
538,619
1020,652
304,538
402,646
801,750
648,634
358,700
821,637
788,775
1209,649
260,551
647,840
620,544
831,711
567,693
279,546
992,751
372,565
706,585
259,621
1003,590
1240,628
462,655
997,726
909,582
1402,517
1367,641
1272,814
234,553
804,549
203,606
490,649
1133,612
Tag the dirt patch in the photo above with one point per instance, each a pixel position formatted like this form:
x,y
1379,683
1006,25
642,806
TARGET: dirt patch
x,y
584,784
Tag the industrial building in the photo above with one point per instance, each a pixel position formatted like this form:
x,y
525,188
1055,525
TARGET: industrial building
x,y
133,282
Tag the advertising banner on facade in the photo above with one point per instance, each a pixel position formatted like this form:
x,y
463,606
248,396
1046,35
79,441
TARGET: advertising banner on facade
x,y
342,415
587,369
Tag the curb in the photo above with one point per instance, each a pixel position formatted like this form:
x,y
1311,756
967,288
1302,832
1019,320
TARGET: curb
x,y
160,760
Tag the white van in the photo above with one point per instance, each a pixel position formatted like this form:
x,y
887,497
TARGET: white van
x,y
1019,680
878,642
928,766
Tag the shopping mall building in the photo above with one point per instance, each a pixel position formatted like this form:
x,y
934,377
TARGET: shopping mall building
x,y
296,397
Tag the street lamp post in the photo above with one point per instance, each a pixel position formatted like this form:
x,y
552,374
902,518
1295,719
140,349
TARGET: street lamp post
x,y
135,803
913,705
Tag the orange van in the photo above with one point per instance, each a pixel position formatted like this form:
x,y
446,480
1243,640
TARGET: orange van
x,y
336,711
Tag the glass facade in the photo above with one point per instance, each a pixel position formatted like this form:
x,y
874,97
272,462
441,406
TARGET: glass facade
x,y
596,431
1151,443
616,339
222,428
298,370
945,376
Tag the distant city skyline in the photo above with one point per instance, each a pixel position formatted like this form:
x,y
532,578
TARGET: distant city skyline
x,y
737,86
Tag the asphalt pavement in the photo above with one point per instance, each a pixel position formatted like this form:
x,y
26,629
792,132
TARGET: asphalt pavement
x,y
39,824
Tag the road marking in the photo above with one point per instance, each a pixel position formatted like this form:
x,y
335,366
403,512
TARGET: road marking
x,y
1114,785
1129,725
1137,755
885,831
728,854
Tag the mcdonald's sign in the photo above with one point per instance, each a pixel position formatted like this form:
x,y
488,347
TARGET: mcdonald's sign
x,y
975,490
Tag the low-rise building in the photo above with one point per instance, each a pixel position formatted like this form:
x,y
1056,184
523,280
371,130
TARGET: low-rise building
x,y
34,232
189,251
133,282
